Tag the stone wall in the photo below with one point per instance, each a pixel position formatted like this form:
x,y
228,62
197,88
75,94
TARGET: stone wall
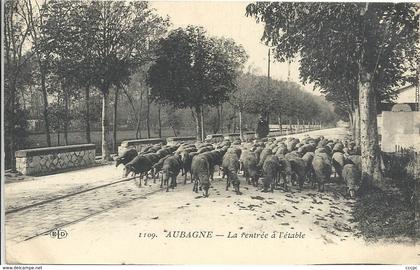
x,y
400,129
214,138
138,144
50,159
175,140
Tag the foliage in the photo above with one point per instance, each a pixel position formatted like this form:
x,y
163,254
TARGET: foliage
x,y
192,69
100,42
328,39
257,95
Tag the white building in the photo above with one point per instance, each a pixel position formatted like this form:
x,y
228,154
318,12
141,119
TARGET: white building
x,y
399,122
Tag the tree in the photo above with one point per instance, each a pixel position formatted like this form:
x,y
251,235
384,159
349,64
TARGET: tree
x,y
34,18
370,46
109,39
193,70
16,37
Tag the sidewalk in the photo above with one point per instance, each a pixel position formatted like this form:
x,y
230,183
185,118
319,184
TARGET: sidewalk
x,y
34,189
331,133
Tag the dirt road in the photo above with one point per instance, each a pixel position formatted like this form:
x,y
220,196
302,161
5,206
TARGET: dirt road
x,y
122,223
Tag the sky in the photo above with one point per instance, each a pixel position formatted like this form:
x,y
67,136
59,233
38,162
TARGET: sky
x,y
228,19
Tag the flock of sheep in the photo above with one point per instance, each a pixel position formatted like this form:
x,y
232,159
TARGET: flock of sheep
x,y
279,162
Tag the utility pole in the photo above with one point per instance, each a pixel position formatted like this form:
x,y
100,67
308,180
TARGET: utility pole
x,y
268,67
418,80
268,78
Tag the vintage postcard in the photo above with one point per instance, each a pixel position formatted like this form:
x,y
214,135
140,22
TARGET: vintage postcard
x,y
210,132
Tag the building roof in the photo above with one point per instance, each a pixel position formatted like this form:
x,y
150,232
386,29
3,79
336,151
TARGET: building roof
x,y
406,94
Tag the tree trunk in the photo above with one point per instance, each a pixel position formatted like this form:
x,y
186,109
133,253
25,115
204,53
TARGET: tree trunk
x,y
114,128
202,122
58,133
58,124
138,116
290,127
66,116
371,170
148,116
45,104
240,125
105,126
234,120
159,123
196,116
351,121
221,118
357,125
298,126
174,130
279,123
87,114
12,129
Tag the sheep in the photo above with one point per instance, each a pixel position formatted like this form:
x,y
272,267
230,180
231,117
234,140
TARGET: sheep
x,y
298,166
139,165
291,145
355,160
264,154
281,150
322,168
250,167
230,167
171,167
258,152
292,155
200,170
338,147
157,167
186,159
163,152
127,156
352,178
271,169
338,161
309,172
285,172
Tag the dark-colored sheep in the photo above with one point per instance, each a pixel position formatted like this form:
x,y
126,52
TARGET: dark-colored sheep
x,y
127,156
163,152
249,162
298,170
157,167
285,172
271,169
230,167
355,160
264,154
352,178
139,165
171,167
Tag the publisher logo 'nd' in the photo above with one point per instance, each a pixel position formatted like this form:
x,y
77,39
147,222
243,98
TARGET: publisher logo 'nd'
x,y
58,234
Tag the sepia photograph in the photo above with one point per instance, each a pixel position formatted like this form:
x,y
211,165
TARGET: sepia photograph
x,y
210,133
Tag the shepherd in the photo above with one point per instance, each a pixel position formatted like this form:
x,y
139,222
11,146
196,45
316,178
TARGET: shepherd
x,y
262,128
